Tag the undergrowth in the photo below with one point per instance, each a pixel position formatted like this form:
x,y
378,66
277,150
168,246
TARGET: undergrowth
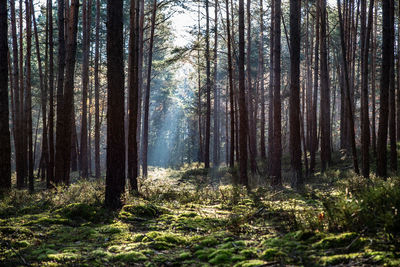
x,y
190,217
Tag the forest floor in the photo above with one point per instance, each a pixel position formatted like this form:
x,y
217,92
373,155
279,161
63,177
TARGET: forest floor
x,y
187,218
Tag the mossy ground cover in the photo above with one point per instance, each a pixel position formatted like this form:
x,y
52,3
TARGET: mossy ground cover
x,y
187,217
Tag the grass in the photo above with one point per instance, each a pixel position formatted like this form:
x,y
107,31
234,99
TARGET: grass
x,y
188,218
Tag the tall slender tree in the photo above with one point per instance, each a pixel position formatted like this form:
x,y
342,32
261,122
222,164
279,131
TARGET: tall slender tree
x,y
243,124
392,97
145,135
276,173
115,177
216,143
387,54
97,95
5,148
208,90
261,78
295,141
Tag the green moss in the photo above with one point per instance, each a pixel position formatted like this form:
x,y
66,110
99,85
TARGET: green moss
x,y
203,254
135,212
249,253
129,257
81,211
21,244
185,255
340,241
273,254
250,263
208,241
68,256
338,259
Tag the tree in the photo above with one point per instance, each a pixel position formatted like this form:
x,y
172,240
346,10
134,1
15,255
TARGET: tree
x,y
261,78
243,124
208,91
231,89
115,177
5,148
65,131
60,89
392,97
216,144
387,54
276,174
295,141
325,94
147,93
97,95
133,168
85,81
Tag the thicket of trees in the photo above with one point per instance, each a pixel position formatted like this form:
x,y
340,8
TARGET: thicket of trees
x,y
87,81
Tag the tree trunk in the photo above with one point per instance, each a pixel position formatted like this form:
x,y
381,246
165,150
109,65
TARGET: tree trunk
x,y
60,93
208,92
85,82
231,90
133,168
28,100
115,177
262,88
373,81
392,98
5,148
147,93
97,95
63,150
216,145
276,174
387,54
295,140
242,102
271,89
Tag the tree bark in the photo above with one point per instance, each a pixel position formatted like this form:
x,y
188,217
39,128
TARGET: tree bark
x,y
63,150
5,148
262,88
216,143
243,179
295,140
97,95
392,98
147,93
276,174
208,91
115,177
387,54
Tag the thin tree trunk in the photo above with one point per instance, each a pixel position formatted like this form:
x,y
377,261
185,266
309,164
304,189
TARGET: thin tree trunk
x,y
387,54
216,143
242,101
261,77
97,95
276,173
208,91
373,80
295,139
392,98
147,93
63,153
50,169
133,168
5,148
231,90
271,89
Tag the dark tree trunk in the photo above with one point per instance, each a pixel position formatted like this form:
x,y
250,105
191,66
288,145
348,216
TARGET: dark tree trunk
x,y
243,124
231,90
387,54
365,38
373,81
208,92
5,148
295,140
147,93
97,166
115,177
314,126
63,151
276,174
28,96
85,81
216,143
133,168
262,88
325,94
60,91
392,98
50,166
271,89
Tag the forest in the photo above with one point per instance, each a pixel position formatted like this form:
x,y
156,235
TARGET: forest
x,y
199,133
